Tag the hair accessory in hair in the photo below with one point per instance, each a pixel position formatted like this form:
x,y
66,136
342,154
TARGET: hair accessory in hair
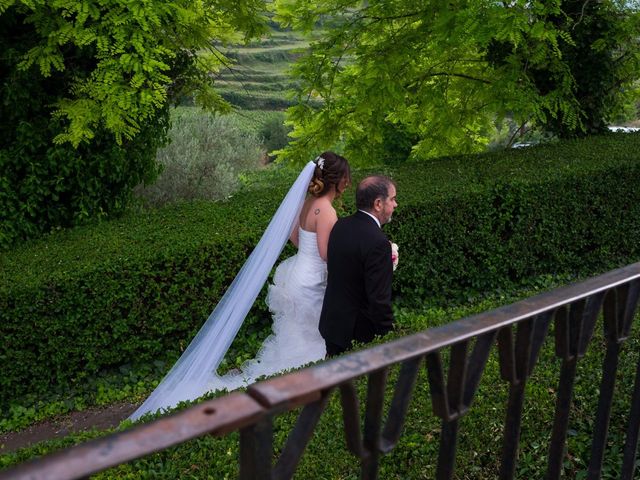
x,y
320,163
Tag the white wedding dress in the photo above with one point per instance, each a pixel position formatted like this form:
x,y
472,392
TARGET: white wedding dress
x,y
295,301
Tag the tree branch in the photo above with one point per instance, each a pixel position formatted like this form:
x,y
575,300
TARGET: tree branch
x,y
459,75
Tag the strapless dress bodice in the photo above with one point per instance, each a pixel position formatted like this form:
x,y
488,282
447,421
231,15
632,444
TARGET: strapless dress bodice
x,y
308,249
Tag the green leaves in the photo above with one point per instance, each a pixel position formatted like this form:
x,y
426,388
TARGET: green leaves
x,y
439,72
47,58
87,85
133,44
5,4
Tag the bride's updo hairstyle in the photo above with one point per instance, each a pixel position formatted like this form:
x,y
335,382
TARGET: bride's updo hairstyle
x,y
331,168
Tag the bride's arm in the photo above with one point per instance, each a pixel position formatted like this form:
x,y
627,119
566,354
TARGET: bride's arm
x,y
294,234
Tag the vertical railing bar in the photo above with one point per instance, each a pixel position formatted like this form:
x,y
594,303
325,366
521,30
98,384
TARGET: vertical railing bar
x,y
614,311
568,344
633,432
505,352
373,422
561,420
399,404
631,306
622,296
603,414
437,388
256,450
299,438
576,327
524,336
511,435
351,418
610,314
477,363
540,331
455,392
562,331
457,376
590,315
447,452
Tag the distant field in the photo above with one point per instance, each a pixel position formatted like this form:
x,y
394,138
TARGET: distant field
x,y
248,121
259,78
257,85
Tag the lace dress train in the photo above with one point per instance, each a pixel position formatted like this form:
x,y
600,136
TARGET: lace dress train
x,y
295,300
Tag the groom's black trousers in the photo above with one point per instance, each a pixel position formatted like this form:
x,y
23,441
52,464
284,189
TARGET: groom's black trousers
x,y
333,349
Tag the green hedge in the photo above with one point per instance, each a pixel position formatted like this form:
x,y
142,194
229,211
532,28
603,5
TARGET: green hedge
x,y
470,224
124,292
137,289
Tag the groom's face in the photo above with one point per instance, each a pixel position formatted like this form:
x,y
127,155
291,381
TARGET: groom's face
x,y
388,205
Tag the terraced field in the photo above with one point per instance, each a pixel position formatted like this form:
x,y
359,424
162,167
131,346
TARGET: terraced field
x,y
259,78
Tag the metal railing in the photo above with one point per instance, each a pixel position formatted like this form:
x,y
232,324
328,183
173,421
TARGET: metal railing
x,y
520,330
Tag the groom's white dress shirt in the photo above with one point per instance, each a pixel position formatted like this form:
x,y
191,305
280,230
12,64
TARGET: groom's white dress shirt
x,y
377,221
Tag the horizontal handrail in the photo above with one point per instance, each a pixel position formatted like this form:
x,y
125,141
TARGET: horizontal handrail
x,y
217,417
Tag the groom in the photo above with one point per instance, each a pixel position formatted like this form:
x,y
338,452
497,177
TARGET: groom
x,y
357,301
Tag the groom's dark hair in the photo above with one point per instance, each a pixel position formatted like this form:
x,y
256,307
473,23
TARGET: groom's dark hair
x,y
370,189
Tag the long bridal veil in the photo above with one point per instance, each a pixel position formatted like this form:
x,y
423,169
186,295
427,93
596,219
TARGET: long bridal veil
x,y
194,373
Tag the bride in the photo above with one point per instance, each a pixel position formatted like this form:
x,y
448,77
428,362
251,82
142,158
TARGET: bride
x,y
295,298
306,216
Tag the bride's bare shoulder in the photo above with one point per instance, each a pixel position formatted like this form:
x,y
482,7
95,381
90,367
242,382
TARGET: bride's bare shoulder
x,y
323,206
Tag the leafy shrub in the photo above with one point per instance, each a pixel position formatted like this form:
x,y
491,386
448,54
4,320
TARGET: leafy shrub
x,y
44,185
103,86
275,134
474,223
268,123
203,160
137,289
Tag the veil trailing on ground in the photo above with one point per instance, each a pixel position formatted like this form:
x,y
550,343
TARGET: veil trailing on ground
x,y
194,373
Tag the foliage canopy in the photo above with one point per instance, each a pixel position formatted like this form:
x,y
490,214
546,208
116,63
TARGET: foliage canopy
x,y
84,93
427,78
133,50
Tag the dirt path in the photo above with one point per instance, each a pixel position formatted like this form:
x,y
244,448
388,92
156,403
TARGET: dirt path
x,y
58,427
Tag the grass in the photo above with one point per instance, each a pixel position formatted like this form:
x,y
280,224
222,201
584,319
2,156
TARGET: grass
x,y
291,44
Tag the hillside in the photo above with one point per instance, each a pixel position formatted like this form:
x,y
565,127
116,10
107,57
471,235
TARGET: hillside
x,y
259,79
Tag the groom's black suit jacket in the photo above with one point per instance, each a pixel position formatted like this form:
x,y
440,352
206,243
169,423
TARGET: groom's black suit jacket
x,y
357,301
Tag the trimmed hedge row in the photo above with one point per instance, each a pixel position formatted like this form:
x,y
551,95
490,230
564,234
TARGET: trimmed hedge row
x,y
126,292
484,222
137,289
